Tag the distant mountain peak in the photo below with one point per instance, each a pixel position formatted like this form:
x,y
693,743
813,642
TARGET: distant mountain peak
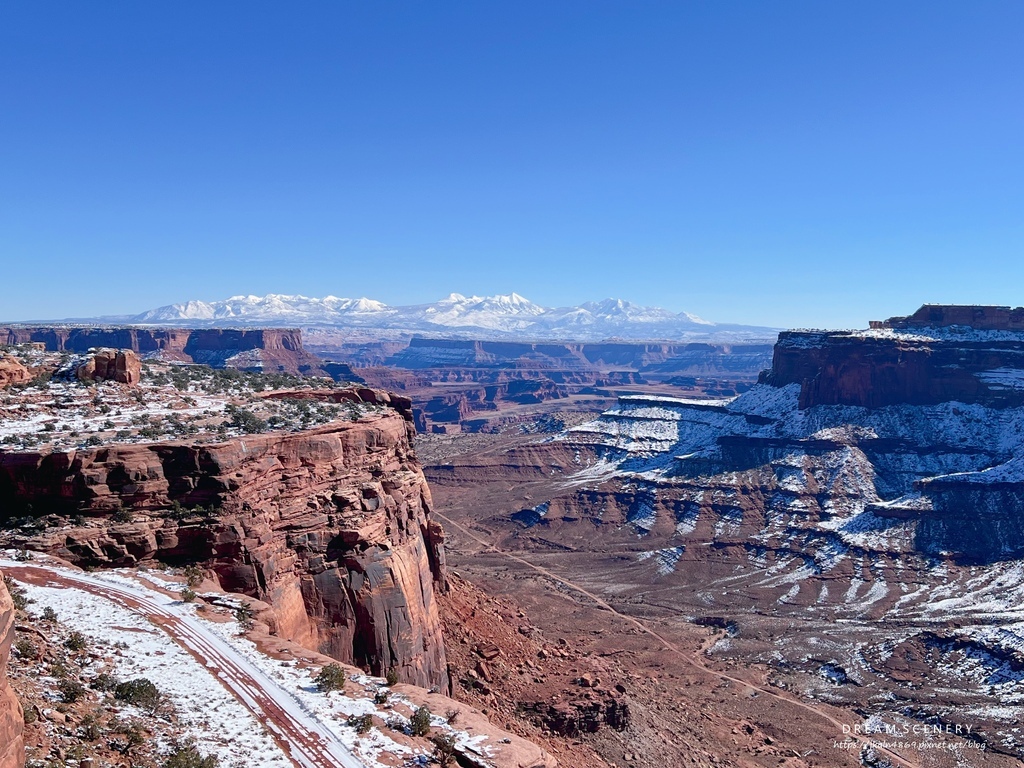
x,y
500,316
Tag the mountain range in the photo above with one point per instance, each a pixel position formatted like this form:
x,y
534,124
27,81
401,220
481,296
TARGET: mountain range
x,y
501,316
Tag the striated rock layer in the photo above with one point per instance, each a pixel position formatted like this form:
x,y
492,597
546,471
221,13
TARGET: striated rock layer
x,y
277,349
12,747
331,526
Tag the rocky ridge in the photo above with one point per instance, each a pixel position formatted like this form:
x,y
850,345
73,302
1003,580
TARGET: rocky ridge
x,y
330,525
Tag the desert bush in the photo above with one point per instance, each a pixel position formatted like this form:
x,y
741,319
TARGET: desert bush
x,y
140,692
189,757
362,723
419,723
444,749
193,575
18,595
76,641
49,614
104,682
244,615
331,678
188,595
392,676
381,696
70,690
451,716
90,727
26,648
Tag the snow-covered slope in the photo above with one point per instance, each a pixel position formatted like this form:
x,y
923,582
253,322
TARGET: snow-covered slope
x,y
499,316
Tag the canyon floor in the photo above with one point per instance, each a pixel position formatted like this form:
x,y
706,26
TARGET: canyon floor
x,y
695,696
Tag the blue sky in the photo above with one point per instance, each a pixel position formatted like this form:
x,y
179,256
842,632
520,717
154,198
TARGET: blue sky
x,y
780,163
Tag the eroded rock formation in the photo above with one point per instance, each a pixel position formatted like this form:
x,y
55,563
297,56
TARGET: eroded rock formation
x,y
12,372
277,349
120,365
12,747
331,526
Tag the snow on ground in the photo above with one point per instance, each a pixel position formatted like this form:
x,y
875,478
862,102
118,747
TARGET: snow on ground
x,y
207,711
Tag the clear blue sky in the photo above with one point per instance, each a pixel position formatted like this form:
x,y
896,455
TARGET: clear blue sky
x,y
782,163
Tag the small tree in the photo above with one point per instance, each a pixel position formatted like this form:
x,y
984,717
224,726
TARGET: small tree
x,y
444,749
362,723
331,678
70,690
392,676
193,575
140,692
76,641
189,757
419,723
243,615
188,595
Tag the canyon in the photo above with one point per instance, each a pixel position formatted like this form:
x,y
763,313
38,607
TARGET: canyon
x,y
848,529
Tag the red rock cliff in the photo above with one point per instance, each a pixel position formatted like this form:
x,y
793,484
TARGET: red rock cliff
x,y
12,747
331,526
269,349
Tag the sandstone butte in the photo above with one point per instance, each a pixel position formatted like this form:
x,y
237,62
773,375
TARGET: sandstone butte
x,y
120,365
330,526
12,748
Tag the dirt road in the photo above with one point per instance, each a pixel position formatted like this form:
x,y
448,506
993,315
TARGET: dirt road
x,y
307,742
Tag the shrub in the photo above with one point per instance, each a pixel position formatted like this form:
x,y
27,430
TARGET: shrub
x,y
190,757
131,731
362,723
331,678
451,716
419,723
187,595
104,682
70,690
141,692
26,648
90,726
122,515
392,676
444,749
76,642
381,696
18,595
49,614
193,575
243,615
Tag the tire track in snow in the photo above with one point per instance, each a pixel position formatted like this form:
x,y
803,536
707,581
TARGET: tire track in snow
x,y
305,740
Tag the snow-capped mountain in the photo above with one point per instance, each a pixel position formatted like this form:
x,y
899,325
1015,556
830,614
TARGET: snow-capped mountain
x,y
499,316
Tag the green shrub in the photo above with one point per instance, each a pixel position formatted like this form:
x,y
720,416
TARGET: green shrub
x,y
18,595
104,682
188,595
193,575
419,723
392,676
444,749
331,678
49,614
26,648
70,690
76,641
190,757
140,692
362,723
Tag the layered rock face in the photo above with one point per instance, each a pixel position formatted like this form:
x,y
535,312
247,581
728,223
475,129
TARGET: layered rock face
x,y
120,365
278,349
12,746
12,372
331,526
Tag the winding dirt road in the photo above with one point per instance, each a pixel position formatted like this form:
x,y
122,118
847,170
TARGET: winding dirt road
x,y
305,740
691,659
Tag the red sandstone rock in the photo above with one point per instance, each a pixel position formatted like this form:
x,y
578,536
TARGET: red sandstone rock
x,y
330,526
122,366
12,372
12,746
272,349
